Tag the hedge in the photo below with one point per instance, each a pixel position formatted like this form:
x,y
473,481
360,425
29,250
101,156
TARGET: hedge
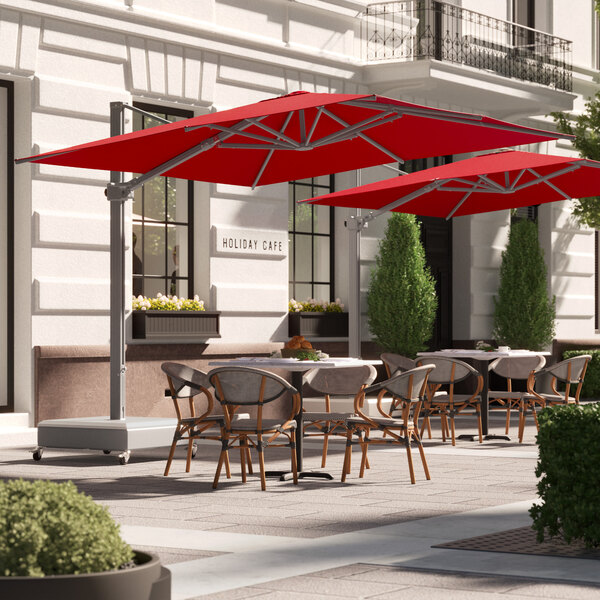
x,y
591,383
569,468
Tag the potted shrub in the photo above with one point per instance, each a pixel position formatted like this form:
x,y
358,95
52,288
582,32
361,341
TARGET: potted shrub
x,y
317,319
57,543
172,317
524,313
402,302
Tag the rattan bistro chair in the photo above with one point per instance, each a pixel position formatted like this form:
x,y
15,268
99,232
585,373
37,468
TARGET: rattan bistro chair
x,y
512,369
569,373
186,383
447,404
339,381
410,387
245,387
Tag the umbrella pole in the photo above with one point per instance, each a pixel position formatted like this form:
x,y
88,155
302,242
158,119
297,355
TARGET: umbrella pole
x,y
117,282
354,226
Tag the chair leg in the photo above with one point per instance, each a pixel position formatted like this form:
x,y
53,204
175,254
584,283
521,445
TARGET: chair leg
x,y
261,463
522,415
444,422
243,459
363,461
423,459
479,425
346,466
411,469
189,454
452,430
222,458
227,466
249,460
508,409
171,453
294,458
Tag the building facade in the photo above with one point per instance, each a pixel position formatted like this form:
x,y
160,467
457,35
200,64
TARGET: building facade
x,y
62,62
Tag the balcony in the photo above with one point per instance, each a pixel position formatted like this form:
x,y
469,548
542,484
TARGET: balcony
x,y
475,48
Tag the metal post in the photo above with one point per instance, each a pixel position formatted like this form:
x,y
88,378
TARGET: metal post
x,y
117,282
353,226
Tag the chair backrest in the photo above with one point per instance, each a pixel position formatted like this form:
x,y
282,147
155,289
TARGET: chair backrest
x,y
447,370
396,363
517,367
408,385
571,370
337,381
185,381
247,386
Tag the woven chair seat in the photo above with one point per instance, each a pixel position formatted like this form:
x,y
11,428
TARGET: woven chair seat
x,y
457,399
267,425
382,421
326,416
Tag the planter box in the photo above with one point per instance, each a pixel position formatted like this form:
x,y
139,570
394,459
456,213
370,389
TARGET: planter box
x,y
162,324
318,324
147,580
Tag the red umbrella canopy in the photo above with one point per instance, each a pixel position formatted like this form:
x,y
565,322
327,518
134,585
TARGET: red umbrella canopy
x,y
251,145
475,185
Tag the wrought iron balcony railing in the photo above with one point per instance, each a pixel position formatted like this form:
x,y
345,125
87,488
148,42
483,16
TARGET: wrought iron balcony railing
x,y
427,29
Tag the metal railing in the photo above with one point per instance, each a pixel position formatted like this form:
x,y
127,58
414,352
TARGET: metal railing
x,y
427,29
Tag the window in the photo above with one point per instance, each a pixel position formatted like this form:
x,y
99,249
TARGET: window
x,y
311,241
162,224
527,213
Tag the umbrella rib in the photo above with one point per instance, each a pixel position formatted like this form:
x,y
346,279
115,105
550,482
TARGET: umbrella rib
x,y
276,133
517,178
256,136
128,186
443,115
551,185
314,125
491,182
357,129
458,205
268,158
545,178
302,127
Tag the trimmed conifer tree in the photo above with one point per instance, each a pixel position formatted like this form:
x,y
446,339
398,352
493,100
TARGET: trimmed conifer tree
x,y
402,302
524,315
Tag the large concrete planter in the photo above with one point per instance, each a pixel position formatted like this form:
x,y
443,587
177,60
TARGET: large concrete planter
x,y
318,324
148,580
175,324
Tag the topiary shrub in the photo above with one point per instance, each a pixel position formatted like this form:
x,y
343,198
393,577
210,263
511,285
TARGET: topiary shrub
x,y
591,383
569,467
49,528
523,313
402,302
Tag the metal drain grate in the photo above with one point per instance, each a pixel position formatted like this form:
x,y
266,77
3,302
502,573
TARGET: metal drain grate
x,y
522,541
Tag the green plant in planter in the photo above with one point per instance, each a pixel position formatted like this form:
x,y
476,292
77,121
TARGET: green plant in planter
x,y
402,299
49,528
524,315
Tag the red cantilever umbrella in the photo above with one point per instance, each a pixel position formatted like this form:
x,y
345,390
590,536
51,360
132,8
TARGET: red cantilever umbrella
x,y
292,137
482,184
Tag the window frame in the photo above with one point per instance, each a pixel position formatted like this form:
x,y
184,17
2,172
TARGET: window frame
x,y
316,190
186,114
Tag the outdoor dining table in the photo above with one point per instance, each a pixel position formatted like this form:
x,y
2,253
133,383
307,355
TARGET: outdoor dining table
x,y
296,368
481,360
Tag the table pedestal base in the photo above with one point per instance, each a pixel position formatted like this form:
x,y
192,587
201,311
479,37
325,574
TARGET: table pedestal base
x,y
287,475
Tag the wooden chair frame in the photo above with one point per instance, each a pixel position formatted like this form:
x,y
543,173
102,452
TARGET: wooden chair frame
x,y
243,432
398,431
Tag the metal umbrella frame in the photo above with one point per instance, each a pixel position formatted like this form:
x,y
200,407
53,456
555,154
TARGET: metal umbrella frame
x,y
326,133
